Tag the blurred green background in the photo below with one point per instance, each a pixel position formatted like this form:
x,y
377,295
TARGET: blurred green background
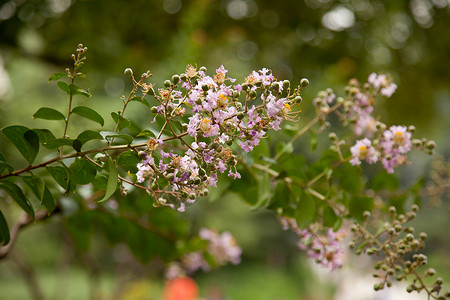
x,y
326,41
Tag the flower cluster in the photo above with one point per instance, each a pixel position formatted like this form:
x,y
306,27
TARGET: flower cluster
x,y
222,248
392,149
206,141
326,250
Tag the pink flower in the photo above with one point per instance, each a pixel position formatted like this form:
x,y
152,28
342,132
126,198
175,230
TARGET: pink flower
x,y
363,150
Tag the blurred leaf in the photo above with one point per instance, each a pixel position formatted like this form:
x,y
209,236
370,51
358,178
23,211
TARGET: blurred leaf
x,y
47,200
89,114
305,214
82,171
263,190
56,143
147,132
24,139
384,181
358,205
60,175
79,226
16,193
349,177
56,76
36,184
123,123
4,230
260,151
44,135
111,185
47,113
281,196
329,217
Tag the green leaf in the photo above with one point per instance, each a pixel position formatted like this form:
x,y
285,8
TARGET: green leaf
x,y
47,200
47,113
44,135
358,205
126,137
305,213
129,159
123,123
82,171
4,166
281,197
89,135
36,184
4,230
64,86
82,92
349,177
147,132
263,190
141,100
16,193
60,175
56,143
89,114
24,139
384,180
57,76
329,217
111,185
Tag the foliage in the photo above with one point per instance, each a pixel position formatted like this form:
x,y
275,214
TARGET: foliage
x,y
203,127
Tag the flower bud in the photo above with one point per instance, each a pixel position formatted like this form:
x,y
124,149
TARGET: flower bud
x,y
252,94
430,145
240,115
154,109
423,236
298,99
175,79
286,83
167,83
128,72
275,86
439,281
142,154
204,87
184,126
183,77
304,82
409,237
235,94
154,186
238,105
411,128
203,69
332,136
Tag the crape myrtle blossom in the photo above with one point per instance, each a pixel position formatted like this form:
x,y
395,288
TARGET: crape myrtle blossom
x,y
219,114
392,148
221,247
326,250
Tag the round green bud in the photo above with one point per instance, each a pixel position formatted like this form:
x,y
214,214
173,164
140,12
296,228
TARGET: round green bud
x,y
370,251
142,154
184,126
154,186
167,83
175,79
154,109
240,115
235,94
392,210
169,177
201,172
197,181
423,236
410,288
238,105
439,281
204,87
431,272
304,82
298,99
275,86
332,136
128,72
411,128
252,94
430,145
184,194
205,192
286,84
245,87
192,196
183,77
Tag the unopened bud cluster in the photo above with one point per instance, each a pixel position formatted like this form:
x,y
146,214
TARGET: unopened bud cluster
x,y
219,113
394,243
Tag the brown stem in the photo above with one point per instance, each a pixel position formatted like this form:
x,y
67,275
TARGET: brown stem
x,y
29,276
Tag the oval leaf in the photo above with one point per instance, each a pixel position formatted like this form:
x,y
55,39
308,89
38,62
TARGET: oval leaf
x,y
56,143
88,113
88,135
60,175
48,114
64,86
123,123
44,135
16,193
82,171
57,76
111,185
147,132
126,137
24,139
